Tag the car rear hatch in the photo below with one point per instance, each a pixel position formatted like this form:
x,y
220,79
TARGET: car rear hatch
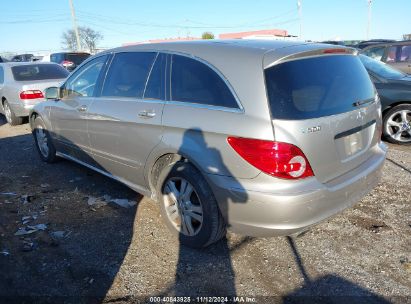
x,y
41,85
323,102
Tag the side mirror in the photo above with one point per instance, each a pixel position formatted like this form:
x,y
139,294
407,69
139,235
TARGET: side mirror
x,y
52,93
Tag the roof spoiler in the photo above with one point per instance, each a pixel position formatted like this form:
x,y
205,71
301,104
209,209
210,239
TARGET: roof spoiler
x,y
304,51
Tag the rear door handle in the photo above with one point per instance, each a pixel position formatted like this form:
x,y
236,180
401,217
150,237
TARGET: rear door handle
x,y
82,108
147,114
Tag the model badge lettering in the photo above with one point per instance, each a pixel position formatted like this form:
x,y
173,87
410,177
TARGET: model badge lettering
x,y
311,130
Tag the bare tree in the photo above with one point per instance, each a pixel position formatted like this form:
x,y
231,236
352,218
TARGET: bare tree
x,y
68,40
88,39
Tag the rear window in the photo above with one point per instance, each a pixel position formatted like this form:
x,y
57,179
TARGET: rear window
x,y
38,72
77,58
316,87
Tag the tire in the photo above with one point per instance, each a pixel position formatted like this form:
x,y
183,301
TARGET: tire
x,y
397,125
44,142
202,222
11,118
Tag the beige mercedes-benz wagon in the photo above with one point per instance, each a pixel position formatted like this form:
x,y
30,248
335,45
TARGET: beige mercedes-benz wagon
x,y
264,137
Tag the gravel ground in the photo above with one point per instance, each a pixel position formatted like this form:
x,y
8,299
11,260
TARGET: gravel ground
x,y
122,255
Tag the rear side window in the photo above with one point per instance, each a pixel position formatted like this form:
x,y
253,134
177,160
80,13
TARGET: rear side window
x,y
193,81
38,72
128,74
400,53
316,87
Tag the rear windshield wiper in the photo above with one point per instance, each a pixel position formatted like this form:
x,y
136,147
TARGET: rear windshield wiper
x,y
363,102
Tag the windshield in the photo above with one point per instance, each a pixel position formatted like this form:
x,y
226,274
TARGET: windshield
x,y
30,72
380,68
317,87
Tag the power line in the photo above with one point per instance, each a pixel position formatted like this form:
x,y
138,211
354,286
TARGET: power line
x,y
106,19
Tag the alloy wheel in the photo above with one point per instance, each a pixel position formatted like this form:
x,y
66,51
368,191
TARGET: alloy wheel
x,y
7,112
42,141
398,126
183,206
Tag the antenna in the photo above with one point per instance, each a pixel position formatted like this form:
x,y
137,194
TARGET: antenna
x,y
369,19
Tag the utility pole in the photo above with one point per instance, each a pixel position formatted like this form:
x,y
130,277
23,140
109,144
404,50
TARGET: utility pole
x,y
369,19
300,16
73,17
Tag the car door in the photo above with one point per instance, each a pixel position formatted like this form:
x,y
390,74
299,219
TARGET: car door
x,y
69,114
125,121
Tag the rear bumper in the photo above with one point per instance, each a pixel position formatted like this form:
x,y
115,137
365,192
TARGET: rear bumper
x,y
261,207
22,108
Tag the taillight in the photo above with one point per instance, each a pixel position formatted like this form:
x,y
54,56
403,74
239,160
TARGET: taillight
x,y
67,63
334,51
278,159
31,94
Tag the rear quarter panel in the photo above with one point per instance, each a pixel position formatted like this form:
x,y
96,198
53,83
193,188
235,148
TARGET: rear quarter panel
x,y
200,133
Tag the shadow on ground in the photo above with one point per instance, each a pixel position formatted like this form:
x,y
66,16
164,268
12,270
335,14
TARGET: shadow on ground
x,y
327,289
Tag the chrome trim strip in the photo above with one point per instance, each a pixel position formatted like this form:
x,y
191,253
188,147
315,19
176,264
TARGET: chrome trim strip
x,y
204,106
149,74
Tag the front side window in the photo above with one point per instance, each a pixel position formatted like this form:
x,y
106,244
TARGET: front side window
x,y
194,82
83,81
375,52
128,74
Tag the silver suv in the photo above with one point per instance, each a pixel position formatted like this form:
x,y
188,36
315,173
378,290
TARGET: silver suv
x,y
266,138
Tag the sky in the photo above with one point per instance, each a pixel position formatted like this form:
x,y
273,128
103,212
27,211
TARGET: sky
x,y
36,26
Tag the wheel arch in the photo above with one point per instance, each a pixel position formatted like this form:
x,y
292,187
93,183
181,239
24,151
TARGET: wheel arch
x,y
33,115
395,104
162,161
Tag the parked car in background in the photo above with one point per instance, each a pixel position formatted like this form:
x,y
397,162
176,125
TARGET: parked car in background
x,y
333,42
22,58
37,58
69,60
396,54
394,89
363,44
265,137
22,86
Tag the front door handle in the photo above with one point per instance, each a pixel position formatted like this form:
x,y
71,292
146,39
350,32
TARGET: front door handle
x,y
82,108
147,114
